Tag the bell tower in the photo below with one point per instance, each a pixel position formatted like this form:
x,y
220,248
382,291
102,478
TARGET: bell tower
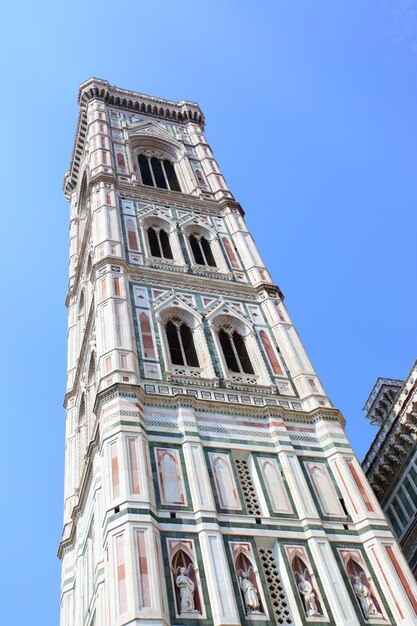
x,y
208,476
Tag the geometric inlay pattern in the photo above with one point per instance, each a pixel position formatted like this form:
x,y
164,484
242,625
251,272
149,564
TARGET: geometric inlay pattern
x,y
248,489
275,587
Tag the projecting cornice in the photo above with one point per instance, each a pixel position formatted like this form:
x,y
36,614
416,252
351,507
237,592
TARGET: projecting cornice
x,y
183,111
395,440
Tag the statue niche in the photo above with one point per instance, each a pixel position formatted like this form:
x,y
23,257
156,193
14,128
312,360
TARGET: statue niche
x,y
248,586
361,586
187,597
308,595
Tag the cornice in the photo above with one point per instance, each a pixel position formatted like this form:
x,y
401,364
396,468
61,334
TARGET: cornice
x,y
207,285
262,413
217,406
183,111
395,439
133,189
376,389
165,278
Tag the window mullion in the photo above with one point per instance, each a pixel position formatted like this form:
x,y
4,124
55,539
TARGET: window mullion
x,y
181,346
151,171
236,354
158,236
202,252
165,175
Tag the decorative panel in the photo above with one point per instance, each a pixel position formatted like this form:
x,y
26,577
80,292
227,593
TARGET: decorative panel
x,y
132,234
170,477
360,485
121,573
115,477
132,448
146,336
324,489
270,353
224,480
248,488
143,569
277,493
275,587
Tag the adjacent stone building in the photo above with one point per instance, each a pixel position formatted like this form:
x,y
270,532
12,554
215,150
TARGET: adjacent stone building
x,y
208,476
391,462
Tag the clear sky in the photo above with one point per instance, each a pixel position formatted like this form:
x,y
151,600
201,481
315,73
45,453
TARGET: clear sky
x,y
311,113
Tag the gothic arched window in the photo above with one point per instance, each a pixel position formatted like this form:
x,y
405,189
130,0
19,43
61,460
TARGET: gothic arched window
x,y
91,376
159,243
81,304
81,412
201,250
158,173
181,343
235,352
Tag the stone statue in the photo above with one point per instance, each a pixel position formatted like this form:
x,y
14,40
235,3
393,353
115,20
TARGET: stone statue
x,y
250,593
186,587
309,597
364,596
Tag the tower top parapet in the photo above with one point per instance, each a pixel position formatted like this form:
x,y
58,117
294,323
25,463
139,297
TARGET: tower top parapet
x,y
183,111
178,112
381,399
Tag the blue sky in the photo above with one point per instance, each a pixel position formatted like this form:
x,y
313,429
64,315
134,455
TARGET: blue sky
x,y
311,113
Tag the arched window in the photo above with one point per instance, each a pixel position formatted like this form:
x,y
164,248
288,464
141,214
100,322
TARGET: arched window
x,y
158,173
91,376
181,343
81,412
201,250
235,352
89,266
81,304
159,243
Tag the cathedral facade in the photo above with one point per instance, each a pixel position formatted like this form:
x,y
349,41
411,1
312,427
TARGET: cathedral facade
x,y
208,476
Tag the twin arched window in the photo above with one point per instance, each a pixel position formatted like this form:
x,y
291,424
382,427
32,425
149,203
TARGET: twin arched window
x,y
235,352
201,250
159,244
182,348
181,343
158,173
